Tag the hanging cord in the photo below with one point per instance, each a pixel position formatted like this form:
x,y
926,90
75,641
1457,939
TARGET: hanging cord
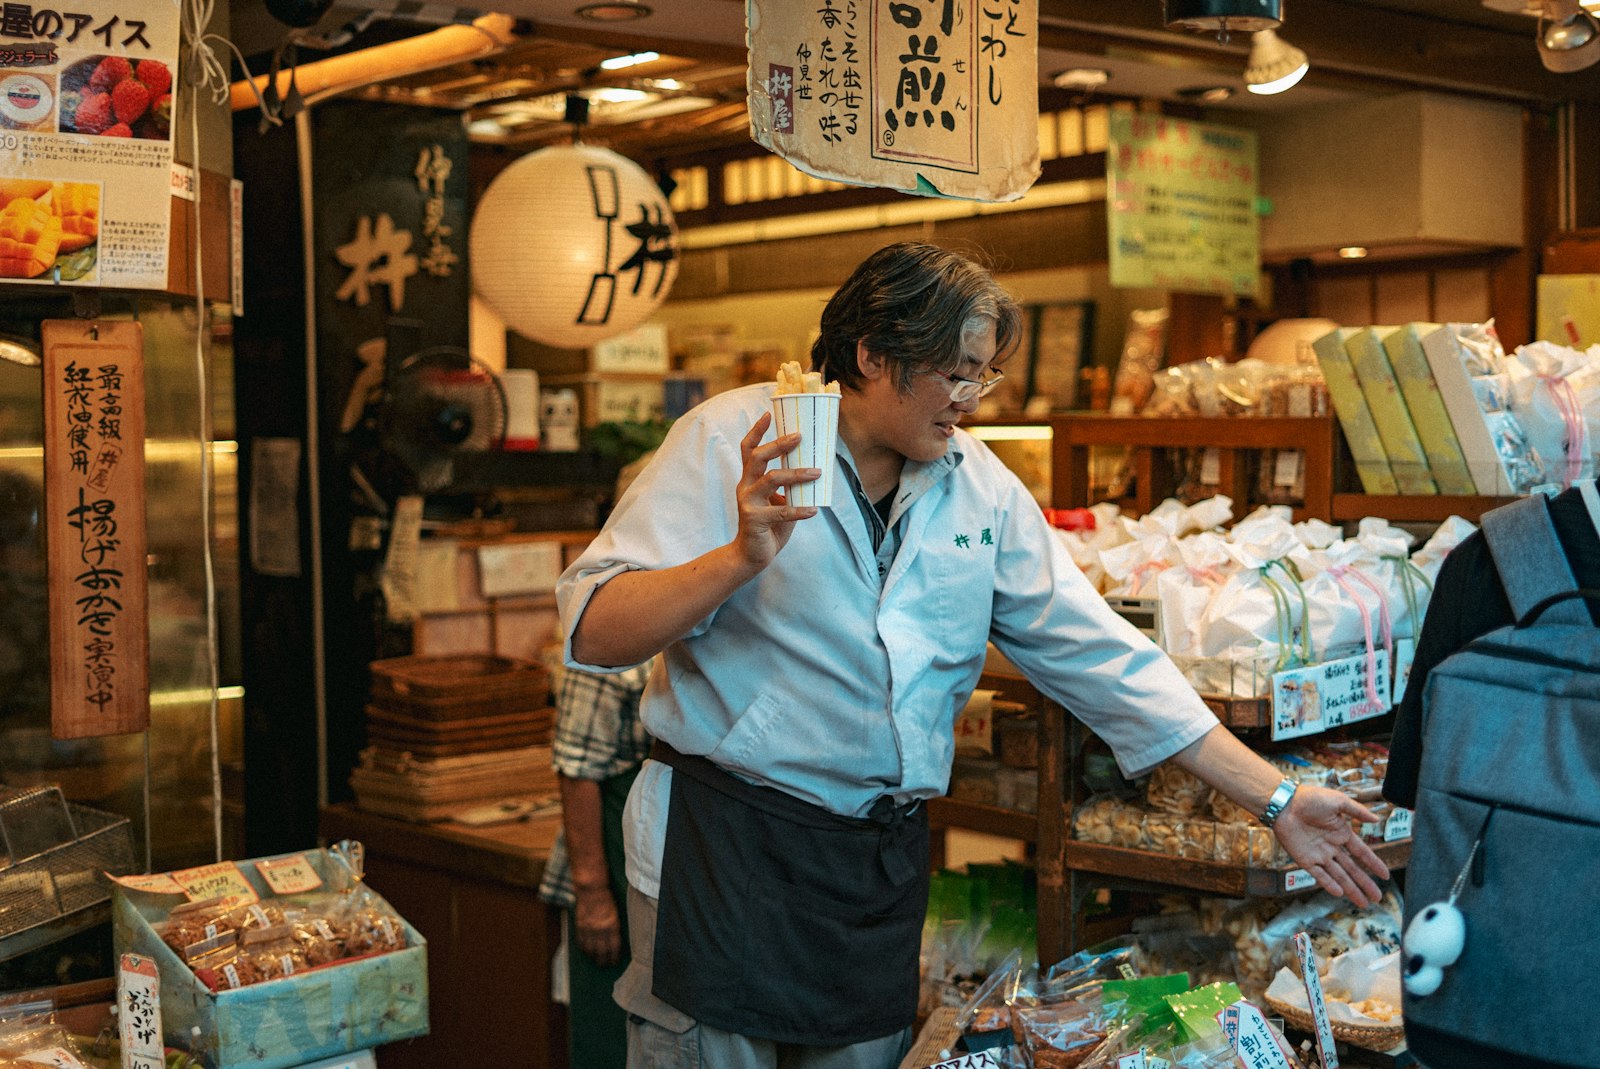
x,y
1284,610
1409,576
1341,575
205,70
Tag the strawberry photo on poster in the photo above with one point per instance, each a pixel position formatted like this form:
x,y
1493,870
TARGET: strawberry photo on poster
x,y
114,97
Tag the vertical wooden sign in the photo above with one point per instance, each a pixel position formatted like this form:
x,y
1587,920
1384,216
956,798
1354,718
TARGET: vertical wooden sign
x,y
95,527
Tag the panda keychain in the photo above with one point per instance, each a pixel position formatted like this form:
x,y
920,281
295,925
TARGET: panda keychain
x,y
1435,937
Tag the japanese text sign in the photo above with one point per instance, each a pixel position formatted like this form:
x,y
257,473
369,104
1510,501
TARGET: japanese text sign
x,y
1329,695
1314,998
86,109
1182,212
139,1013
935,97
289,875
94,499
1256,1045
220,880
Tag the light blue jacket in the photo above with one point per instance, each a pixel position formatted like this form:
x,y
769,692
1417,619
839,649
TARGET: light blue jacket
x,y
824,681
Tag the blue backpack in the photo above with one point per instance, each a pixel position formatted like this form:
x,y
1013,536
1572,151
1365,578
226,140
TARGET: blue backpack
x,y
1507,827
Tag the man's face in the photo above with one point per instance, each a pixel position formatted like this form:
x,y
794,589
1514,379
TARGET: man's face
x,y
918,424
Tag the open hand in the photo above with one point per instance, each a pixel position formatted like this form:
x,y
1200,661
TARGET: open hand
x,y
1316,831
766,519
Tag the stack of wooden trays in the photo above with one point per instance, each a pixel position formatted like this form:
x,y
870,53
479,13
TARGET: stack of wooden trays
x,y
450,733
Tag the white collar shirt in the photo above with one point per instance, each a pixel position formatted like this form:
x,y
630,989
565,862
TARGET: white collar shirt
x,y
821,678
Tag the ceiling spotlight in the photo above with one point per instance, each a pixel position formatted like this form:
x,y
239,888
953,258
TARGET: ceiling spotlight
x,y
1223,17
1080,78
614,11
1568,37
1274,65
1353,252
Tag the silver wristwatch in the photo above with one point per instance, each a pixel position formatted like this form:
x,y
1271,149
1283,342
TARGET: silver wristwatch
x,y
1279,802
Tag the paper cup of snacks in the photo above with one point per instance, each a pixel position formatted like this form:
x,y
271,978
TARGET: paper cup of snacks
x,y
803,404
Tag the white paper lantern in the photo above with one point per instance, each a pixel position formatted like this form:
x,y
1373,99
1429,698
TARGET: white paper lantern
x,y
573,244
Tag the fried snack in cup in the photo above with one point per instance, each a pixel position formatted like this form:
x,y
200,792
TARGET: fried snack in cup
x,y
802,403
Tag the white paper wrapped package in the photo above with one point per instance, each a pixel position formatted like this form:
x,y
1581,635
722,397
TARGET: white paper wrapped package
x,y
1317,534
1261,610
1085,547
1185,590
1551,388
1132,568
1348,607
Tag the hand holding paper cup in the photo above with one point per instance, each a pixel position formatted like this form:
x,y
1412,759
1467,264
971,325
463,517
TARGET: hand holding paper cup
x,y
803,404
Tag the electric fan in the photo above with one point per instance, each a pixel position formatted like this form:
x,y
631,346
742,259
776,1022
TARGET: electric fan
x,y
436,404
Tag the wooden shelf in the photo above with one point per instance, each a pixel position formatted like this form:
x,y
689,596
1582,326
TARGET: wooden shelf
x,y
988,819
1074,434
1429,508
1165,870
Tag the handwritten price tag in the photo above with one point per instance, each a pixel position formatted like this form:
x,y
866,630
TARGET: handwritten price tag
x,y
1319,1007
221,880
158,882
289,875
1256,1045
139,1013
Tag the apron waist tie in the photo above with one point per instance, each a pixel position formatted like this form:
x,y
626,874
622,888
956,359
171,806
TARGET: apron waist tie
x,y
888,820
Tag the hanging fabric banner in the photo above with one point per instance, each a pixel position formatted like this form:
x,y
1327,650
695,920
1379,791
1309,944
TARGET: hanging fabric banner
x,y
94,498
934,97
86,109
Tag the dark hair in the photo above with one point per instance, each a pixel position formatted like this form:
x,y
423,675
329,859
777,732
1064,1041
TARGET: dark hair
x,y
915,305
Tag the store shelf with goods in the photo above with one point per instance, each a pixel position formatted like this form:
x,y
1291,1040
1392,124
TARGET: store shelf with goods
x,y
1069,870
1239,442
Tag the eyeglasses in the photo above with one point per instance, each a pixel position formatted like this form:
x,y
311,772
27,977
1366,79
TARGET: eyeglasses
x,y
964,390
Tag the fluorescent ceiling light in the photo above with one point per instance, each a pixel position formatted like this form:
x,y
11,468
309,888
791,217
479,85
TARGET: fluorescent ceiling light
x,y
617,63
614,94
1353,252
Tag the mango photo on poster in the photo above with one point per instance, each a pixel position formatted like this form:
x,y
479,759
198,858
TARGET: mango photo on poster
x,y
48,227
115,97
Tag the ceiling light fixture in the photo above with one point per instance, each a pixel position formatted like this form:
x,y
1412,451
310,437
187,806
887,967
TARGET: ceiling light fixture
x,y
1353,252
1080,78
1274,65
1568,37
614,11
1223,17
617,63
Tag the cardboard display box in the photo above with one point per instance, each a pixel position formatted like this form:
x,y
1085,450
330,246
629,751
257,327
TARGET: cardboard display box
x,y
323,1012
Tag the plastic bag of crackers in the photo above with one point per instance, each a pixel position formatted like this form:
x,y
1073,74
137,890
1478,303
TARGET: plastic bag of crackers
x,y
230,946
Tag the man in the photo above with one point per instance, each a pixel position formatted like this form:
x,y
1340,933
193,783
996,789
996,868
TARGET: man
x,y
812,663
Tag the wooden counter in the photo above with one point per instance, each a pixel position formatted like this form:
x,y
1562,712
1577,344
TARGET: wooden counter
x,y
473,894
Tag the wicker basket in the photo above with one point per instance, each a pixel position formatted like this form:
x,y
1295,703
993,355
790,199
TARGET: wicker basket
x,y
1368,1037
456,686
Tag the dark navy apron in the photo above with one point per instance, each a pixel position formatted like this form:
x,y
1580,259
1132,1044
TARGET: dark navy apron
x,y
781,920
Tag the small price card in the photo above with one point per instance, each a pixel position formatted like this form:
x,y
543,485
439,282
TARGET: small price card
x,y
289,875
221,880
1136,1060
1329,695
1397,826
1319,1007
1256,1045
159,882
1298,880
139,1013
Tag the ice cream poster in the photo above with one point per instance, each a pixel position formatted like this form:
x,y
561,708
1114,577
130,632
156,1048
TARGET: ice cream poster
x,y
934,97
86,113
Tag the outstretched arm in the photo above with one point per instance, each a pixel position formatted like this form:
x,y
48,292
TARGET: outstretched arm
x,y
614,630
1315,828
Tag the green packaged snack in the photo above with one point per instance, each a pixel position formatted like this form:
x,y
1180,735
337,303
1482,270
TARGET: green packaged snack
x,y
1197,1010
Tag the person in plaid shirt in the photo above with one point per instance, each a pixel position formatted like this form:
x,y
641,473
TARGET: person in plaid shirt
x,y
599,746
